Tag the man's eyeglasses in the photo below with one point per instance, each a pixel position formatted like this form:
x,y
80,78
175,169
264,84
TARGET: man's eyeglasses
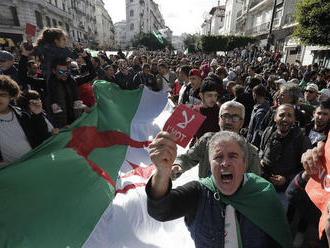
x,y
63,72
234,118
310,91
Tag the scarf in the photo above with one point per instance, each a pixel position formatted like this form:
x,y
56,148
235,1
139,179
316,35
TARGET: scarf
x,y
257,200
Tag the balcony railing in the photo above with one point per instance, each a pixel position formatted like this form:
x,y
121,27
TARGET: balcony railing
x,y
262,28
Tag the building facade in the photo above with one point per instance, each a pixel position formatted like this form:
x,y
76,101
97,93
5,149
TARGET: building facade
x,y
214,22
120,34
233,7
105,30
142,16
76,17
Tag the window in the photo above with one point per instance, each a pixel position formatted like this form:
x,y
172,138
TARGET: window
x,y
60,24
131,27
67,27
131,12
131,1
15,16
9,16
56,3
39,19
63,5
54,23
48,21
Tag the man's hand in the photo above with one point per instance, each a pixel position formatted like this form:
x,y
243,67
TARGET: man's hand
x,y
3,164
35,106
277,180
311,159
163,151
26,53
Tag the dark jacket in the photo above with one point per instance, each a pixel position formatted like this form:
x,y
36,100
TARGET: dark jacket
x,y
145,79
34,127
282,155
204,217
38,84
124,81
63,93
50,52
258,113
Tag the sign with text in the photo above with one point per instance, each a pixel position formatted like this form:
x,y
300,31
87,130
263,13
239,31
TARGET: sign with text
x,y
318,188
30,29
184,123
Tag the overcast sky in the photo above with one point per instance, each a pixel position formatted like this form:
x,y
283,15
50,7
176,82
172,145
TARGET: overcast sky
x,y
182,16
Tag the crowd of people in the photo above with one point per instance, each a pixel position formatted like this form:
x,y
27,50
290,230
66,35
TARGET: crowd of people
x,y
260,112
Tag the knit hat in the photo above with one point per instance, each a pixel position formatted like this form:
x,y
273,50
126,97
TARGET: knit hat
x,y
195,72
6,56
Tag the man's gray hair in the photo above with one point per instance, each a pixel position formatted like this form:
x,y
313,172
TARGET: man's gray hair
x,y
233,104
293,91
228,136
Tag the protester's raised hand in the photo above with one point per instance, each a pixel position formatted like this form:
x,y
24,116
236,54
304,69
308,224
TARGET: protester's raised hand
x,y
311,159
163,151
25,51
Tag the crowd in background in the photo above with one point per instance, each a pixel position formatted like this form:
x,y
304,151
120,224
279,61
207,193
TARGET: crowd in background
x,y
281,109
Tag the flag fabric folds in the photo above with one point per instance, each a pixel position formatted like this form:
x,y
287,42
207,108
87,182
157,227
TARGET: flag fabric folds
x,y
159,36
57,195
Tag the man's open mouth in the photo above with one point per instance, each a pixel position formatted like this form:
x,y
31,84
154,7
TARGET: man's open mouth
x,y
226,177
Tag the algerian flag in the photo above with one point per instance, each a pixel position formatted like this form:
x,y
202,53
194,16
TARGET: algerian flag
x,y
159,36
186,51
58,194
92,52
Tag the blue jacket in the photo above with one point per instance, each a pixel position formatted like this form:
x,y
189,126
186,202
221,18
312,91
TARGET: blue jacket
x,y
207,229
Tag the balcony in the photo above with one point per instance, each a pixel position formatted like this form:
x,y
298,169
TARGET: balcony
x,y
260,29
256,4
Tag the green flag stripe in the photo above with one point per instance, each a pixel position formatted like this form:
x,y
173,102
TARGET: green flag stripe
x,y
54,188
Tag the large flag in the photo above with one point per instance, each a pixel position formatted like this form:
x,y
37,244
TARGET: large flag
x,y
59,194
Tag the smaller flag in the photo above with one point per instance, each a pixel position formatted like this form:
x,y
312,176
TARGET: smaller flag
x,y
158,36
186,51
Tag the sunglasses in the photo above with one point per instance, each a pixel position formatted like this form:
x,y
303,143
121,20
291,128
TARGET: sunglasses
x,y
63,72
310,91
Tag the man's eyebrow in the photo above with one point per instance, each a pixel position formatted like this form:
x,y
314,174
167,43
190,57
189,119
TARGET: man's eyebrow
x,y
233,154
